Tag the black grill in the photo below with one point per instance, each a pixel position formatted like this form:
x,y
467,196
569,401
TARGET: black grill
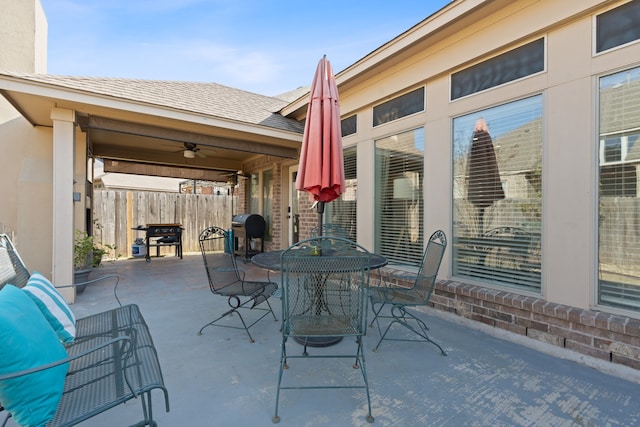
x,y
163,235
247,229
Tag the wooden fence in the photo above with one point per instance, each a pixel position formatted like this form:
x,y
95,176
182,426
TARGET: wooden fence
x,y
117,212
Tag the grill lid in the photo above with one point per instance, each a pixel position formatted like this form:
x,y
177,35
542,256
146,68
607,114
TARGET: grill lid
x,y
253,224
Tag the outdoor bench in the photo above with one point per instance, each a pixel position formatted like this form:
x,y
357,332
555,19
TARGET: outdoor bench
x,y
111,360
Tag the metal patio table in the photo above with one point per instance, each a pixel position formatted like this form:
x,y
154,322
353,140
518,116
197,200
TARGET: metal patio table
x,y
272,261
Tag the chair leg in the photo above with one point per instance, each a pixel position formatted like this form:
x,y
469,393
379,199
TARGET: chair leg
x,y
360,363
423,329
283,366
376,313
382,335
363,370
234,303
244,325
225,314
246,328
147,412
271,310
401,316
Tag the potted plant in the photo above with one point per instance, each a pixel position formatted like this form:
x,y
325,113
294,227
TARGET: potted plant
x,y
87,255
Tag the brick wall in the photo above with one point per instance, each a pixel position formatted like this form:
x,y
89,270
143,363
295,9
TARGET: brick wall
x,y
605,336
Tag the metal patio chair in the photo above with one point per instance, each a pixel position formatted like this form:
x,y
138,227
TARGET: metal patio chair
x,y
228,280
399,298
324,296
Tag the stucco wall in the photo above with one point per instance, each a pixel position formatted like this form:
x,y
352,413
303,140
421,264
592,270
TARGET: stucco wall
x,y
23,38
25,190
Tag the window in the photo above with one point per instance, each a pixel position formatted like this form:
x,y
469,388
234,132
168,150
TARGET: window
x,y
349,126
497,194
261,198
254,193
343,210
396,108
515,64
619,205
398,199
267,202
618,26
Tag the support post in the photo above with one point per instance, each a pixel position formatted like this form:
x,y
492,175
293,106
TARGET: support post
x,y
64,142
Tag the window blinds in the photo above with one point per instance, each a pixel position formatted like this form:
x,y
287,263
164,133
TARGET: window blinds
x,y
498,194
619,205
399,200
342,211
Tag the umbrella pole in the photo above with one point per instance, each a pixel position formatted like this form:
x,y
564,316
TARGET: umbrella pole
x,y
320,216
320,208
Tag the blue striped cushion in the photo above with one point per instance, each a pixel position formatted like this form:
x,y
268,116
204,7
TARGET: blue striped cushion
x,y
53,306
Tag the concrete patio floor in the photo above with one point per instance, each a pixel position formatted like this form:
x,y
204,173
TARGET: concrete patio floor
x,y
489,378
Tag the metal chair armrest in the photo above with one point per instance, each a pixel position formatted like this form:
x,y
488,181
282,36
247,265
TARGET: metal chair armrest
x,y
126,343
88,282
388,288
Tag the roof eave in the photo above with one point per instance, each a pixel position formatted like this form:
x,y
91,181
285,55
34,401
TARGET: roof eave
x,y
79,100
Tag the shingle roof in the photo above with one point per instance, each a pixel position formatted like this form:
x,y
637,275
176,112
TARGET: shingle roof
x,y
203,98
294,94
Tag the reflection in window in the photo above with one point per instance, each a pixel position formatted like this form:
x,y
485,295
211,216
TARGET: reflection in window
x,y
515,64
618,180
398,199
618,26
619,207
497,194
401,106
349,126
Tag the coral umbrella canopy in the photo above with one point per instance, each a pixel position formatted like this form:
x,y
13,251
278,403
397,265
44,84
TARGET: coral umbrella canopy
x,y
321,166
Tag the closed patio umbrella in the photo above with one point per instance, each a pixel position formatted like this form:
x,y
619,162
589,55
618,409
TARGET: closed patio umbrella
x,y
321,166
484,186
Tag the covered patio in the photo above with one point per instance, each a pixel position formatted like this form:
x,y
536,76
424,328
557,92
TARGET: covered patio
x,y
220,378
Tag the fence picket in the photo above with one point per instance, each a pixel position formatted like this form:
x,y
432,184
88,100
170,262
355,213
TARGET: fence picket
x,y
117,212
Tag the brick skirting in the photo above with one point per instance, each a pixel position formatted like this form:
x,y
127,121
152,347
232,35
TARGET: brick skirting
x,y
609,337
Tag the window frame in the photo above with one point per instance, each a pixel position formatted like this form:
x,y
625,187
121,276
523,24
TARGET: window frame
x,y
408,254
608,294
595,27
514,262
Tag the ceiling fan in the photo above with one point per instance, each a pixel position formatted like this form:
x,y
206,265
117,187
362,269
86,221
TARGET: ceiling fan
x,y
191,150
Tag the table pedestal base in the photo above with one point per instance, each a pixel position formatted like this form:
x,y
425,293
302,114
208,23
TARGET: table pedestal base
x,y
317,341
